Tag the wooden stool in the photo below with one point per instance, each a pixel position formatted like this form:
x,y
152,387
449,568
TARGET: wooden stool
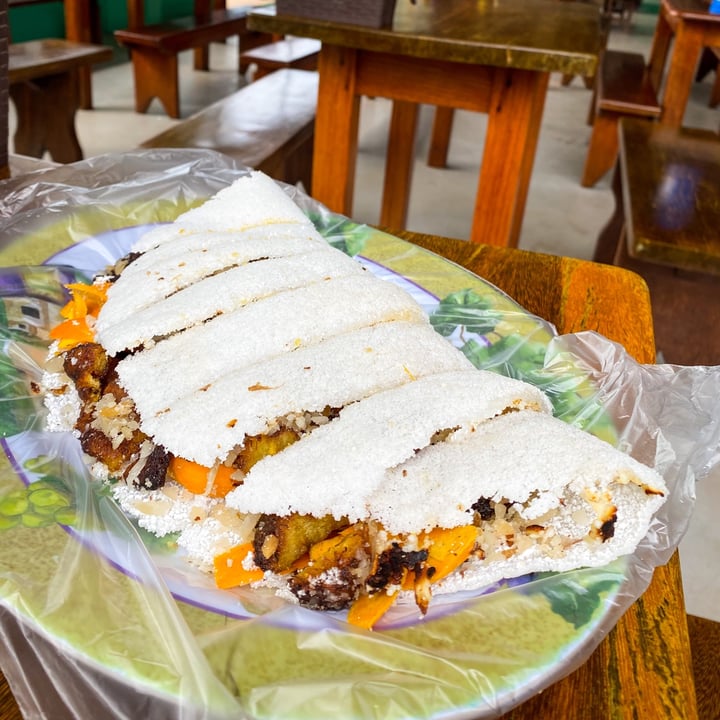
x,y
291,52
267,125
43,81
154,50
622,88
665,228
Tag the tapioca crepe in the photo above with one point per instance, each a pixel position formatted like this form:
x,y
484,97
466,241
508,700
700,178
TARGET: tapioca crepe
x,y
301,426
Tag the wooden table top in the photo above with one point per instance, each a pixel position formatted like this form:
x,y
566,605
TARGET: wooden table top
x,y
39,58
530,34
643,668
691,9
672,199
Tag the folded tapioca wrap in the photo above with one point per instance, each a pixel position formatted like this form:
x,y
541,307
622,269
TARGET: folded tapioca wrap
x,y
239,342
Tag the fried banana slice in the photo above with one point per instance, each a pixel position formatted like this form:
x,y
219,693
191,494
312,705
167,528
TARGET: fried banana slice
x,y
332,580
257,447
280,540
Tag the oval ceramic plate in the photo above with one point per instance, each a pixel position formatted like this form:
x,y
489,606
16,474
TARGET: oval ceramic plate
x,y
473,655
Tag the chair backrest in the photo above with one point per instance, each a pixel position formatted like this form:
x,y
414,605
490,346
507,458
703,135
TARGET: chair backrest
x,y
4,102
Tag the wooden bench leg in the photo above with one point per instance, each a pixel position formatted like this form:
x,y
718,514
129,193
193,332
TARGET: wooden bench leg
x,y
610,237
715,92
201,58
602,150
46,117
440,138
156,76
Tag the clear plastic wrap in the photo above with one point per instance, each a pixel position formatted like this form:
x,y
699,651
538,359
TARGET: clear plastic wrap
x,y
103,620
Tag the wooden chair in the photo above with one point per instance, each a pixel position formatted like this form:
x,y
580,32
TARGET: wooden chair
x,y
154,49
667,194
623,87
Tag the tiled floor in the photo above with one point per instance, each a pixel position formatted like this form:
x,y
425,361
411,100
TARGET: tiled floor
x,y
561,217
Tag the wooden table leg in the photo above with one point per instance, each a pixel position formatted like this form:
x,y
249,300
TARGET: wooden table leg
x,y
399,161
78,28
201,55
516,107
689,41
46,117
440,137
336,129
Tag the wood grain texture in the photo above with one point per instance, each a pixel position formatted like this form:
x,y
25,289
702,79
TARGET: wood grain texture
x,y
9,709
543,35
705,642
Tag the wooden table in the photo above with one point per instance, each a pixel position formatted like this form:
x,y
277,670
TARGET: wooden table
x,y
44,86
692,27
643,668
494,58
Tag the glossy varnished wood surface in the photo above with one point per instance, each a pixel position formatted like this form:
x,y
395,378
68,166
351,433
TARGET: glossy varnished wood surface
x,y
643,669
672,200
530,34
40,58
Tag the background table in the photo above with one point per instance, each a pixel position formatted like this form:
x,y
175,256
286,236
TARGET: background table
x,y
643,668
494,58
692,27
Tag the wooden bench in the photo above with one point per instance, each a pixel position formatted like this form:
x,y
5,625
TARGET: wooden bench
x,y
291,52
623,88
44,87
154,50
665,228
268,125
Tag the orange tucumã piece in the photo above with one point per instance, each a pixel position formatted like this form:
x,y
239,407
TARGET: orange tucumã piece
x,y
229,571
72,332
368,609
85,302
194,477
448,549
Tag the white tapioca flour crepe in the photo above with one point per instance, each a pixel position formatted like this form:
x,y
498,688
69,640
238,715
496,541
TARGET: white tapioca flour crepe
x,y
252,201
330,373
243,337
371,436
315,413
556,469
217,294
203,256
